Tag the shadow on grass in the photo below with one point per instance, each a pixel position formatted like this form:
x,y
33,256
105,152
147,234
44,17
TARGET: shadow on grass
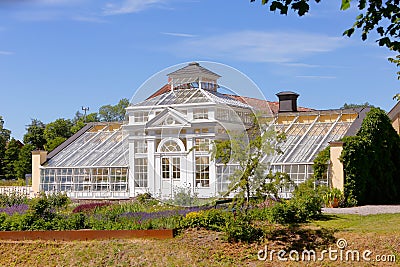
x,y
294,237
327,217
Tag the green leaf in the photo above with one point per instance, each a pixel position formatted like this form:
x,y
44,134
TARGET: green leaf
x,y
349,32
345,5
302,7
362,4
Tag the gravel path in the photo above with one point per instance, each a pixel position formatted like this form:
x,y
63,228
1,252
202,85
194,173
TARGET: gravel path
x,y
364,210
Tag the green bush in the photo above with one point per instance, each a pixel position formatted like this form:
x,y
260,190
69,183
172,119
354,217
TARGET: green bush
x,y
242,230
371,162
286,212
305,204
212,219
8,200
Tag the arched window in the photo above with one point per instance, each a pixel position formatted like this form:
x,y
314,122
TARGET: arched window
x,y
170,146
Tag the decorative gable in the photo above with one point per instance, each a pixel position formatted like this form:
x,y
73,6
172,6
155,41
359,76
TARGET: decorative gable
x,y
168,118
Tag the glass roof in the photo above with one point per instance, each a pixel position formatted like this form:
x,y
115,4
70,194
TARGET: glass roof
x,y
190,96
308,133
102,147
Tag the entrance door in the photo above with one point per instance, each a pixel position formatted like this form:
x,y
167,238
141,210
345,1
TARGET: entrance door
x,y
170,173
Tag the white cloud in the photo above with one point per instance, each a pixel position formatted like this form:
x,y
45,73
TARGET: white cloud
x,y
177,34
89,19
6,53
259,46
130,6
301,65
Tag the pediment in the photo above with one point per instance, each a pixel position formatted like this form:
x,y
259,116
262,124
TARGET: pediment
x,y
169,117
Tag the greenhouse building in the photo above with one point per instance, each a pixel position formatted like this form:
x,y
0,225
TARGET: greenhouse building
x,y
166,141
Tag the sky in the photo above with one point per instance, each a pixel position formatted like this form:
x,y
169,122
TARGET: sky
x,y
59,55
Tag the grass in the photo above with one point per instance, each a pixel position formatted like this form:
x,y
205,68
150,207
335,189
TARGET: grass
x,y
377,223
197,247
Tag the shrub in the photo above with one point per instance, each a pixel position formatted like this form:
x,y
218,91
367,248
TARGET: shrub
x,y
242,230
371,161
333,198
212,219
74,221
8,200
143,198
58,200
88,207
184,197
305,204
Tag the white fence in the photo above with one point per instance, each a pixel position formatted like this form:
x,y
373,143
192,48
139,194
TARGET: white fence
x,y
19,190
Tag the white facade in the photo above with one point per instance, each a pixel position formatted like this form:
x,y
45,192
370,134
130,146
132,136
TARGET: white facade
x,y
170,135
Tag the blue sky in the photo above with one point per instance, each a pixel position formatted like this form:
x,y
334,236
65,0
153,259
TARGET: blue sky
x,y
59,55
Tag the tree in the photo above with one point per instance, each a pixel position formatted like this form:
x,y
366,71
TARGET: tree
x,y
371,162
378,15
247,150
4,137
35,134
24,163
114,113
348,106
79,121
57,132
10,158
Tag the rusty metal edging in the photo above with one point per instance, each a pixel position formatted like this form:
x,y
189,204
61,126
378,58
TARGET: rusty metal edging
x,y
70,235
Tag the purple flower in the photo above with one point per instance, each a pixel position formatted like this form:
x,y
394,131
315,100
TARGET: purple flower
x,y
20,208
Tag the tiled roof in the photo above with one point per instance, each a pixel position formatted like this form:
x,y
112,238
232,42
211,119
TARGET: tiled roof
x,y
161,91
193,70
264,105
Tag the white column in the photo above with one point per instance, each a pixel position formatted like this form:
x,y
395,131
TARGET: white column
x,y
131,177
151,183
190,164
213,178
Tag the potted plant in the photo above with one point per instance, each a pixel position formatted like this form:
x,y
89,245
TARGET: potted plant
x,y
333,197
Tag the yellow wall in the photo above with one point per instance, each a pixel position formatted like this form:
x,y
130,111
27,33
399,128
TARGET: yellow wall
x,y
396,124
336,172
38,158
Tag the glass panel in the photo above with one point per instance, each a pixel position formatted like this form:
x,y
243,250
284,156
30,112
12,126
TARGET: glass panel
x,y
176,168
200,113
165,168
141,116
140,146
202,172
202,144
141,172
170,146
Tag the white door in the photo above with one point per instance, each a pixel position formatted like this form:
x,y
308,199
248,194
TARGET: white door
x,y
170,174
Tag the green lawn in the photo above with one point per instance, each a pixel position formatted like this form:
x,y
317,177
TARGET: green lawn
x,y
379,223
